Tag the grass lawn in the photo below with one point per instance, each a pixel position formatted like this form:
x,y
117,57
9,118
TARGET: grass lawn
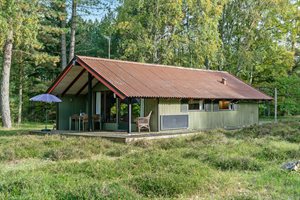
x,y
243,164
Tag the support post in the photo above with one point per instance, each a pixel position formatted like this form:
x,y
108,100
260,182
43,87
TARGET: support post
x,y
158,117
275,108
104,106
142,108
129,115
90,106
117,112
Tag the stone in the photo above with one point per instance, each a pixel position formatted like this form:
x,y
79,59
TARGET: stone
x,y
292,166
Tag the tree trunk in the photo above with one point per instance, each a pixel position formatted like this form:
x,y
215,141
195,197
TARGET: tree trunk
x,y
63,47
206,63
63,40
7,56
73,29
21,78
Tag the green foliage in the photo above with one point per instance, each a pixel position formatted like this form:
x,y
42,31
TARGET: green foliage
x,y
256,40
289,94
234,163
170,32
288,131
252,39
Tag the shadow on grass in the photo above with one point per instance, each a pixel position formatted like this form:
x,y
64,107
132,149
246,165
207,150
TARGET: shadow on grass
x,y
289,131
23,129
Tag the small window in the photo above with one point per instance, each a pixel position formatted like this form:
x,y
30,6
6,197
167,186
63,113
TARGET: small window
x,y
234,106
227,105
224,105
196,105
207,105
216,107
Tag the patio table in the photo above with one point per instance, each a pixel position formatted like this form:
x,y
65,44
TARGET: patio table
x,y
79,119
75,118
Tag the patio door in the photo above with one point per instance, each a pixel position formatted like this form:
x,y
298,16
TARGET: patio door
x,y
105,106
114,111
123,112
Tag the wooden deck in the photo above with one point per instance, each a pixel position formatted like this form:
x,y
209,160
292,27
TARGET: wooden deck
x,y
119,136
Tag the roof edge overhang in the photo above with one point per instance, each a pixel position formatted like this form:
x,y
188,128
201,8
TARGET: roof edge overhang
x,y
61,76
80,62
209,98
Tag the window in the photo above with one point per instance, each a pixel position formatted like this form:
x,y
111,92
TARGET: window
x,y
196,105
216,107
227,105
207,105
224,105
135,109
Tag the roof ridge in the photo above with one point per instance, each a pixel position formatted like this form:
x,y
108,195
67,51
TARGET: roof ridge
x,y
150,64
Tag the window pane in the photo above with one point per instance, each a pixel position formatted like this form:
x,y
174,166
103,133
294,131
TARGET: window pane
x,y
207,105
194,106
110,107
224,105
135,109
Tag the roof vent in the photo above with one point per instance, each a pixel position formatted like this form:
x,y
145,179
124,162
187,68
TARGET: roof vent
x,y
224,81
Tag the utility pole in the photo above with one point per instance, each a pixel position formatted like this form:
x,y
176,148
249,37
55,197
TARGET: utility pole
x,y
275,108
108,39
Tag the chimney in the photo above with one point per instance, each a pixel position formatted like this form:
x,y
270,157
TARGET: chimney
x,y
224,81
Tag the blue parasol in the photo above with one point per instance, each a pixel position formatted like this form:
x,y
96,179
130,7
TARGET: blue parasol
x,y
48,98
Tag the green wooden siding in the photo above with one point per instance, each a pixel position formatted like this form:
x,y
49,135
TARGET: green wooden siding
x,y
70,105
247,114
152,105
169,107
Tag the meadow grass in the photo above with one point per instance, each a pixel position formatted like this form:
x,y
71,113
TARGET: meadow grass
x,y
218,164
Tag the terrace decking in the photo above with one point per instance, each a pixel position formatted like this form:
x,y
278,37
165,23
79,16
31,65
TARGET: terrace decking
x,y
119,136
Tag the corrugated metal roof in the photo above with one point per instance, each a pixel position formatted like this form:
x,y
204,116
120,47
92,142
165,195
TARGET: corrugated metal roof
x,y
150,80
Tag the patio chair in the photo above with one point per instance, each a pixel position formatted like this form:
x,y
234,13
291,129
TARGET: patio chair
x,y
143,122
85,120
95,118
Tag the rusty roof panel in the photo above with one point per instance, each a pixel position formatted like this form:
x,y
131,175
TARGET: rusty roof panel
x,y
150,80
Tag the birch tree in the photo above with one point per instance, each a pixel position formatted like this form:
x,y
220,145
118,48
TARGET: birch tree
x,y
63,21
73,29
21,26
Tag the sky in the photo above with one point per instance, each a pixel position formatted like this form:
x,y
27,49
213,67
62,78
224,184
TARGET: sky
x,y
96,13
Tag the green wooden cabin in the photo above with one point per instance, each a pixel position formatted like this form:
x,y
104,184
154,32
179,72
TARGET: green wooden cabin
x,y
180,98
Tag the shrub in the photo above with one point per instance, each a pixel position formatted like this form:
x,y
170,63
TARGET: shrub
x,y
164,185
271,153
117,151
15,187
234,163
194,154
8,154
171,143
94,190
65,154
284,131
142,143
